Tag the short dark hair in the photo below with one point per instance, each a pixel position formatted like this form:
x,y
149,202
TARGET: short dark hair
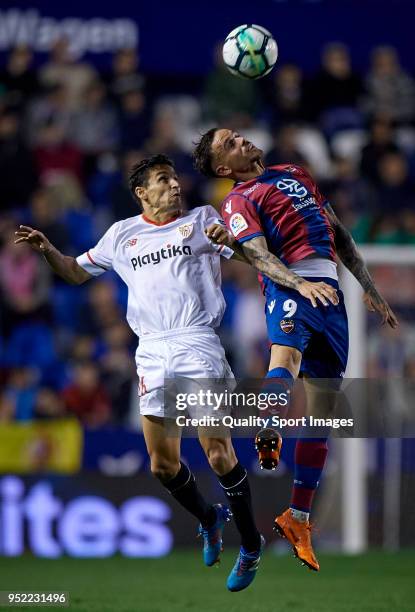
x,y
138,174
202,154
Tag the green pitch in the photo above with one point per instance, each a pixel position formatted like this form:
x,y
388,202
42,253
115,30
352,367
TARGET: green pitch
x,y
374,582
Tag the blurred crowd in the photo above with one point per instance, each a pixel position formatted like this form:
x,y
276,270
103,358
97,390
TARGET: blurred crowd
x,y
68,136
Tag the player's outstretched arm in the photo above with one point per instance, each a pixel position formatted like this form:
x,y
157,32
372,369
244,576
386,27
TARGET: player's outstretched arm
x,y
348,253
257,253
66,267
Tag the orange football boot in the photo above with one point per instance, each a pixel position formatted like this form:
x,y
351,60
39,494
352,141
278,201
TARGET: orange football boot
x,y
268,444
299,536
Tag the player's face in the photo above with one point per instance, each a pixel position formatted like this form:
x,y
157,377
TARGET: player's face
x,y
233,154
161,191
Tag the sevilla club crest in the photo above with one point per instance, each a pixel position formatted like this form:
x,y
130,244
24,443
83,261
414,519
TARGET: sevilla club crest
x,y
186,230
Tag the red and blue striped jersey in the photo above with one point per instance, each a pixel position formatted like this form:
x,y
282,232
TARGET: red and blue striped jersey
x,y
285,206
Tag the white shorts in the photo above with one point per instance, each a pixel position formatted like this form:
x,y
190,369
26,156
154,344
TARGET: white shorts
x,y
191,352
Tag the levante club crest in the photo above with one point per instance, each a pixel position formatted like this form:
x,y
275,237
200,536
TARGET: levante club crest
x,y
287,325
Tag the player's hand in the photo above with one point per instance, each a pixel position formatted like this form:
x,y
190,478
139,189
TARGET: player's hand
x,y
34,238
318,291
375,303
219,235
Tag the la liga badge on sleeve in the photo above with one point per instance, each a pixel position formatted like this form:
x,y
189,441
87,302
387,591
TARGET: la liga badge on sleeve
x,y
237,224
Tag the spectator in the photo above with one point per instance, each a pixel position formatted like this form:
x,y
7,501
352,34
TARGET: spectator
x,y
391,90
287,95
62,69
48,404
117,366
335,91
396,191
163,136
24,285
284,150
224,96
45,216
101,309
7,408
66,193
18,400
83,348
408,226
353,197
32,344
134,120
86,397
395,196
17,176
19,78
50,107
384,229
95,127
125,75
381,141
55,155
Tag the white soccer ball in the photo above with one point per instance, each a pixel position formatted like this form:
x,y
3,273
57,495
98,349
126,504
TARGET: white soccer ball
x,y
250,51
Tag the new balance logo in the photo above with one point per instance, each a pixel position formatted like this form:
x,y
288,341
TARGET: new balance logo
x,y
271,306
228,207
255,565
131,242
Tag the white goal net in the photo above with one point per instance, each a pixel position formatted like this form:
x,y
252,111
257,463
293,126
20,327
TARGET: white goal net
x,y
377,352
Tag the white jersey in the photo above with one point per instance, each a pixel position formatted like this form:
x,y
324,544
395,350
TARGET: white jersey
x,y
172,270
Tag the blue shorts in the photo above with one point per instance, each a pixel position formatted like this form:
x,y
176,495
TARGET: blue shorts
x,y
321,334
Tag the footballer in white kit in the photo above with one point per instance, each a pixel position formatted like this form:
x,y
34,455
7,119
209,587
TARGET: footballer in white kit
x,y
172,270
175,301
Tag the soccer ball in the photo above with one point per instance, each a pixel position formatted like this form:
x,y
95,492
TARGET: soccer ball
x,y
250,51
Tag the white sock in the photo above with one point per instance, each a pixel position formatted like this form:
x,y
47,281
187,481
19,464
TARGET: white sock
x,y
299,515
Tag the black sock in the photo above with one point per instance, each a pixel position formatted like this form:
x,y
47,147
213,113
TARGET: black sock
x,y
236,488
183,487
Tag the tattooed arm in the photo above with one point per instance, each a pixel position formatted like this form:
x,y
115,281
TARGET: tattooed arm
x,y
348,253
255,252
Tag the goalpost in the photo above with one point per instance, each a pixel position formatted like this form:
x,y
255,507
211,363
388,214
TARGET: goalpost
x,y
354,450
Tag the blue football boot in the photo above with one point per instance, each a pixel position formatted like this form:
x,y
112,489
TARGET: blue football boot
x,y
245,568
212,537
